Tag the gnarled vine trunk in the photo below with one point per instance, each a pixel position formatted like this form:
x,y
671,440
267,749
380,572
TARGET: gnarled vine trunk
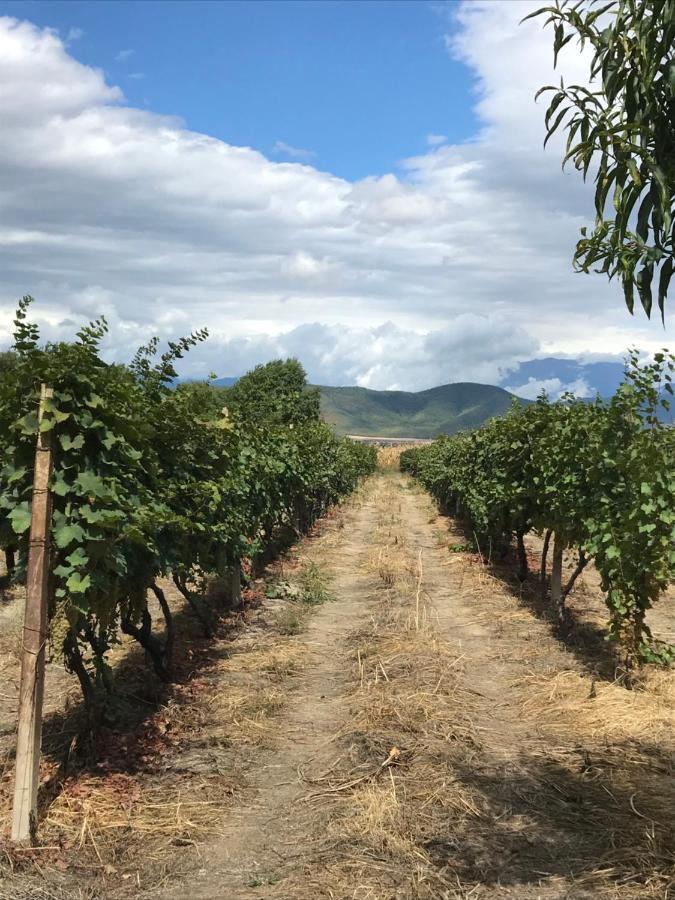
x,y
543,578
581,565
523,569
194,605
155,649
557,596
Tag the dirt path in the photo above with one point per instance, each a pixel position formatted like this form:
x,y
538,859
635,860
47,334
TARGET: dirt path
x,y
477,639
512,771
263,838
544,763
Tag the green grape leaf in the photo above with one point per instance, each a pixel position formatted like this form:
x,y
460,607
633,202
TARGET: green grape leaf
x,y
68,534
20,518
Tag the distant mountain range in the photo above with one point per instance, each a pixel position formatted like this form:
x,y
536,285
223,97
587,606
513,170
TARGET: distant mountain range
x,y
453,407
425,414
552,373
556,375
400,414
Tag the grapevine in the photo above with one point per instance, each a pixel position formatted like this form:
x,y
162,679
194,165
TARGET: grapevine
x,y
599,476
152,482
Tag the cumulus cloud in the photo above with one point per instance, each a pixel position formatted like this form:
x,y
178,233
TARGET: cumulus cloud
x,y
74,34
384,357
433,140
304,265
285,149
553,387
110,209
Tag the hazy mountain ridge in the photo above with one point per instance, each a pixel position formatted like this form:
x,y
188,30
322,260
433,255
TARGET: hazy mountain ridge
x,y
440,410
453,407
416,414
556,375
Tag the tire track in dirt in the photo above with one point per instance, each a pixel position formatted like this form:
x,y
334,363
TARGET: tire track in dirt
x,y
487,662
262,838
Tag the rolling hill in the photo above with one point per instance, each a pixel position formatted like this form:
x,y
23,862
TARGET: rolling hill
x,y
425,414
406,414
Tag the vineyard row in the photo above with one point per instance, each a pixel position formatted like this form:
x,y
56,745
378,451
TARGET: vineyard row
x,y
597,477
152,481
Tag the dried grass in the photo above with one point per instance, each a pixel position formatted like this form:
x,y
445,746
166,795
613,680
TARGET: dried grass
x,y
245,715
388,458
91,810
571,703
379,819
103,832
274,659
456,813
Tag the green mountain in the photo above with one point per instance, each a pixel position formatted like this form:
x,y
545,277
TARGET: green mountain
x,y
425,414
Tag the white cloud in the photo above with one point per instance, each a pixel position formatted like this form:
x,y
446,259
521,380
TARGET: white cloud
x,y
111,209
74,34
123,55
553,387
284,149
391,203
304,265
383,357
136,76
433,140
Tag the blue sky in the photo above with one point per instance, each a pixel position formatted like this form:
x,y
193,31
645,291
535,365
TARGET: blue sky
x,y
266,170
356,85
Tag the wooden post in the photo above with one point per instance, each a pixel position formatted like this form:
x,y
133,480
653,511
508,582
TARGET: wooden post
x,y
29,735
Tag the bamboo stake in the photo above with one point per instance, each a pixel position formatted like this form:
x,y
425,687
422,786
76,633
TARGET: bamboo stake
x,y
29,734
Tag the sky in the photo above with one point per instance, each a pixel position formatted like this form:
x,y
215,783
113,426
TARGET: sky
x,y
352,88
361,185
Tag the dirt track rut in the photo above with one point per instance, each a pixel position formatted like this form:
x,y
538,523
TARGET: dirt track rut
x,y
263,837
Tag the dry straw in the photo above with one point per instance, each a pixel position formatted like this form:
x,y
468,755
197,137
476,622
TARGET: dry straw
x,y
579,810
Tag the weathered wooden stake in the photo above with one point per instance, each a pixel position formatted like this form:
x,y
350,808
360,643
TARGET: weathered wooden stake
x,y
29,735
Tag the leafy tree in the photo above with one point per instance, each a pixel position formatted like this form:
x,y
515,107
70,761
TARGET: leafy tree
x,y
212,400
275,393
8,364
622,124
